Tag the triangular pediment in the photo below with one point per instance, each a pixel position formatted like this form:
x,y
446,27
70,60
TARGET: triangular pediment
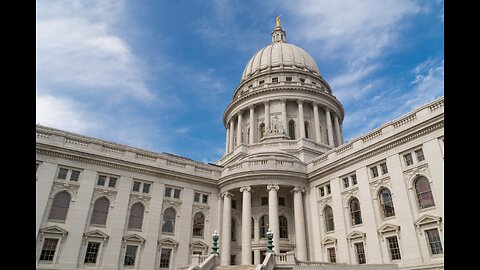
x,y
168,242
96,234
199,245
54,230
134,238
427,219
329,240
356,234
388,228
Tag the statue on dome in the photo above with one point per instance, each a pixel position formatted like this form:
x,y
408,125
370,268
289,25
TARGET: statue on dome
x,y
277,22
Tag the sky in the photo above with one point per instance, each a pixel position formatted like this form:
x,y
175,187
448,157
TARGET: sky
x,y
158,74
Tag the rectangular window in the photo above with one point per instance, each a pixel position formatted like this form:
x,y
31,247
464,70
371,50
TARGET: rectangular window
x,y
374,171
302,80
384,168
288,79
146,188
136,186
434,241
314,83
48,249
394,248
264,201
261,82
75,175
130,255
101,180
196,197
234,204
354,179
92,252
329,190
322,191
165,258
345,182
281,201
176,194
408,159
204,198
274,80
62,174
168,192
419,154
360,252
332,257
112,182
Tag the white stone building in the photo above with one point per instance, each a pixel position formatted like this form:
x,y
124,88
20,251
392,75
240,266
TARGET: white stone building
x,y
377,199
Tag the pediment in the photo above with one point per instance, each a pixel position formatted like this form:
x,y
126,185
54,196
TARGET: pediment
x,y
96,234
388,228
134,238
329,240
55,229
427,219
168,242
355,234
199,245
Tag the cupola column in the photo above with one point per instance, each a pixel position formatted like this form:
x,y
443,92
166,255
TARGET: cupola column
x,y
337,129
301,119
239,128
231,135
329,127
226,140
316,125
284,116
300,236
267,114
273,216
246,225
252,125
227,224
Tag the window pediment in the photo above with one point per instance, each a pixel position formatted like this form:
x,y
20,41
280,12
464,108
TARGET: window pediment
x,y
55,229
427,219
198,245
355,235
134,238
329,240
96,234
168,242
388,228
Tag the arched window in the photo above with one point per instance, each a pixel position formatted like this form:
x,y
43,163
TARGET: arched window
x,y
263,226
424,193
198,224
232,232
262,130
291,129
253,229
328,213
100,211
136,216
386,202
307,130
169,220
248,135
355,212
60,206
283,224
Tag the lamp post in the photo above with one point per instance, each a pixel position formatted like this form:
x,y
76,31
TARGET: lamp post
x,y
215,243
269,240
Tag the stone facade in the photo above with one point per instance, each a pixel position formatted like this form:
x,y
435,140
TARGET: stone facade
x,y
377,199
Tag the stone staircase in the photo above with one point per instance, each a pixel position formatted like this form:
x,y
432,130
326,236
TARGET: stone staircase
x,y
234,267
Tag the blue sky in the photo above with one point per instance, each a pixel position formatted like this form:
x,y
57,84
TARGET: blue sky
x,y
158,75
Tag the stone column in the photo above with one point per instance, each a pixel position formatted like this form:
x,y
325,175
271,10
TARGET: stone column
x,y
230,141
256,256
341,133
316,125
227,224
226,140
239,128
300,236
253,124
246,225
284,116
267,114
273,216
301,119
329,127
337,129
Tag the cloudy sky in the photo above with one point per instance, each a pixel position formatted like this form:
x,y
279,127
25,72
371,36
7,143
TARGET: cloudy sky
x,y
158,74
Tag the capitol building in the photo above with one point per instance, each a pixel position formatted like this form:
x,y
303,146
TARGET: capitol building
x,y
376,200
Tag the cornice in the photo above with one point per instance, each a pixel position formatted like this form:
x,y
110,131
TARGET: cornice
x,y
120,164
292,179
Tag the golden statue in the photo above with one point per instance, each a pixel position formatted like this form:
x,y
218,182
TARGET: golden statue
x,y
278,22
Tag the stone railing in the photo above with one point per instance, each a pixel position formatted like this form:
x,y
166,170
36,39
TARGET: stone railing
x,y
204,262
265,163
114,150
268,263
76,142
286,258
384,131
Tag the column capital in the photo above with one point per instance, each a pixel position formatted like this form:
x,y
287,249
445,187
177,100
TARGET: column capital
x,y
251,106
297,189
247,188
226,194
300,101
283,100
316,104
240,112
266,102
272,186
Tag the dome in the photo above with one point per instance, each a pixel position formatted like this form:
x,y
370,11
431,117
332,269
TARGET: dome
x,y
280,54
